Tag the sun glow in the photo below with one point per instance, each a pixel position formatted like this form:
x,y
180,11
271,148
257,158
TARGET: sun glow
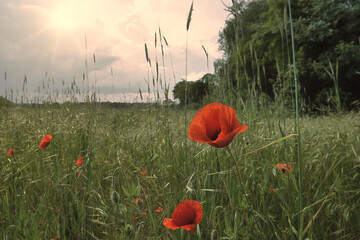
x,y
66,16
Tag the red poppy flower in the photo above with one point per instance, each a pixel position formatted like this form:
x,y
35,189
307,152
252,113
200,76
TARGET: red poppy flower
x,y
79,161
135,218
142,172
159,209
138,201
11,152
273,190
215,124
144,213
186,215
45,142
284,168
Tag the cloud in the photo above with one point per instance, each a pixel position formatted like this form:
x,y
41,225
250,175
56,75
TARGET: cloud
x,y
131,27
115,32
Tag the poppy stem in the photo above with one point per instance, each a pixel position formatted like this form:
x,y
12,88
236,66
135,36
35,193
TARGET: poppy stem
x,y
233,158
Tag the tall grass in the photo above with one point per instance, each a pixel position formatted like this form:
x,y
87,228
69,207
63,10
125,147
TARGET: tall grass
x,y
237,202
335,77
297,128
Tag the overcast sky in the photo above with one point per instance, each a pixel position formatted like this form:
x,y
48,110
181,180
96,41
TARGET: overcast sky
x,y
45,39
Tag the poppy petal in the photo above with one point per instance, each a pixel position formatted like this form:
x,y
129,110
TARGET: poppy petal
x,y
169,223
45,142
224,140
11,152
79,161
284,168
198,211
198,134
189,227
142,173
159,209
184,214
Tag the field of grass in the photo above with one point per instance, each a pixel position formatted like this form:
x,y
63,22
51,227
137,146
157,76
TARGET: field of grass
x,y
43,195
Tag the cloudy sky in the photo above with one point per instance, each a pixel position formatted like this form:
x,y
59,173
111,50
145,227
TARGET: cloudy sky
x,y
50,42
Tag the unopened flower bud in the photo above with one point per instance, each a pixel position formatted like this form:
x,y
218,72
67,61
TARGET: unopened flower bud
x,y
115,197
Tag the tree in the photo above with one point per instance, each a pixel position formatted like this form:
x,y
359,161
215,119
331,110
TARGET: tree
x,y
179,92
197,90
257,50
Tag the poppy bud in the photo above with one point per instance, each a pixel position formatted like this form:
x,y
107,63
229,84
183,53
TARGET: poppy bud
x,y
11,152
115,197
139,201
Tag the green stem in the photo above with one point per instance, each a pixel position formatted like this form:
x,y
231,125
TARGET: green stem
x,y
233,158
185,107
297,124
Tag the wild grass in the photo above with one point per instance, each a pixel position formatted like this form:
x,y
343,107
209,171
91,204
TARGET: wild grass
x,y
42,196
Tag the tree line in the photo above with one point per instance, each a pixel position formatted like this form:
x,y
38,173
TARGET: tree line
x,y
257,54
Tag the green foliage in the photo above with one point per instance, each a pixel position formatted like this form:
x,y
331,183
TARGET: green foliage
x,y
197,90
257,55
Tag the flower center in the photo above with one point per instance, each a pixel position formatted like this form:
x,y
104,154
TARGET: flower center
x,y
215,135
183,215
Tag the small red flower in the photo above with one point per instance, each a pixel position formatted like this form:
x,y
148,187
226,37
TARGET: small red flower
x,y
159,209
11,152
135,218
144,213
78,172
186,215
45,142
79,161
273,190
138,200
142,172
284,168
215,124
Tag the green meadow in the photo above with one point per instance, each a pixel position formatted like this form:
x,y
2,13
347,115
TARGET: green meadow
x,y
139,163
44,195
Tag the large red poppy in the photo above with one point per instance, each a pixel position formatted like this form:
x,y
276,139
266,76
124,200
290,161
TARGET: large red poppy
x,y
186,215
11,152
45,142
215,124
